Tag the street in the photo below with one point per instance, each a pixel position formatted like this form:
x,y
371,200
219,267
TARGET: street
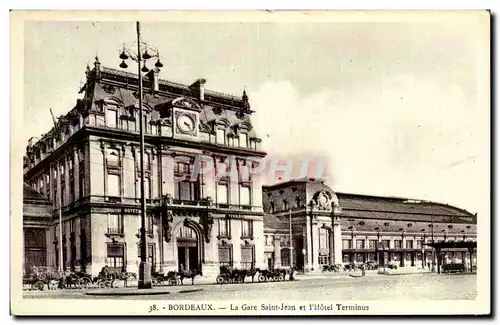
x,y
427,286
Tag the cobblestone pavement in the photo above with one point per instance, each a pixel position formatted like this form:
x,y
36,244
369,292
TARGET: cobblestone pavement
x,y
384,287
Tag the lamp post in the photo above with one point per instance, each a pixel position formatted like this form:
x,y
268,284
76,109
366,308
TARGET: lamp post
x,y
433,248
144,53
423,249
291,238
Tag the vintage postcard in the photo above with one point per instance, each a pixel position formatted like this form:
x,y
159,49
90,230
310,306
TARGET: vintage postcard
x,y
250,163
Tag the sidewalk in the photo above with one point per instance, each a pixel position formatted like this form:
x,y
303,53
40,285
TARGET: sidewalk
x,y
133,291
328,275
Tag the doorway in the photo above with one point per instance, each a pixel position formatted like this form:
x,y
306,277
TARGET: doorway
x,y
187,250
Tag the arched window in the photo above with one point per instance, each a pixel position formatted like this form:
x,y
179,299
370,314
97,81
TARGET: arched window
x,y
186,232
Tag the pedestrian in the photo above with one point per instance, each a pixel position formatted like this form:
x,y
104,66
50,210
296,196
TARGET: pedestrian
x,y
362,270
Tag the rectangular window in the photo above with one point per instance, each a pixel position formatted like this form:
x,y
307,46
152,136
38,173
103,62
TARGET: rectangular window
x,y
372,244
147,188
225,256
324,260
111,118
246,228
187,191
115,224
285,241
115,259
370,257
224,227
398,244
147,162
247,257
220,136
419,243
245,192
285,257
243,140
409,244
346,244
113,158
113,185
387,243
149,225
360,244
222,193
324,244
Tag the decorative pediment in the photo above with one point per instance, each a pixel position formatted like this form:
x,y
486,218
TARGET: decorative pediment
x,y
205,128
323,200
222,122
243,126
186,103
113,101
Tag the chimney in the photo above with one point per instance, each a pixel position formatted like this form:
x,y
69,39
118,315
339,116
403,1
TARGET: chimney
x,y
154,78
199,87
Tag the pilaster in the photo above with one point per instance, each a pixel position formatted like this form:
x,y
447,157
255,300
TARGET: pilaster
x,y
308,244
315,246
236,241
337,244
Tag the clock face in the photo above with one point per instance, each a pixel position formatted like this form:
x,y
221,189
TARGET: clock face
x,y
185,123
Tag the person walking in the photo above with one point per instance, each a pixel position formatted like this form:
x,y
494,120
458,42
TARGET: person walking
x,y
363,273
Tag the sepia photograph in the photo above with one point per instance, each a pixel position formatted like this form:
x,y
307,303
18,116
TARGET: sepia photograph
x,y
247,163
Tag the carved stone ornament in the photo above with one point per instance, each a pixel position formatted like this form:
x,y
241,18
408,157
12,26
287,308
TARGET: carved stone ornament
x,y
168,219
184,102
207,221
109,89
323,201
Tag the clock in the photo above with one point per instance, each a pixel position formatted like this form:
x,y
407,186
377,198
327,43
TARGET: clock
x,y
186,123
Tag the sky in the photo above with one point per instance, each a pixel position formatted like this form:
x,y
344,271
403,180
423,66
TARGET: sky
x,y
395,108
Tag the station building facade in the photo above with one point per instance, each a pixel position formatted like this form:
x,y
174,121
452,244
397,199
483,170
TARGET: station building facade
x,y
328,228
87,166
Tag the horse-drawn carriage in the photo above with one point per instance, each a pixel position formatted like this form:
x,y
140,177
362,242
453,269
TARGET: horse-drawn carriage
x,y
173,277
229,275
41,277
276,275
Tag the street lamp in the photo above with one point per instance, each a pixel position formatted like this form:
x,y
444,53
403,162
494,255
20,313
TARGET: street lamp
x,y
144,53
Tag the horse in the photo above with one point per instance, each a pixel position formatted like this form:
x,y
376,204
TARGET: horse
x,y
187,274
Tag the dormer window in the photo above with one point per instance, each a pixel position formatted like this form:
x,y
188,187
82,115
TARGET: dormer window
x,y
243,140
111,117
220,136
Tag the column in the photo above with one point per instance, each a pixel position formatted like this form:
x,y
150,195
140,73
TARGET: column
x,y
353,241
236,242
154,179
309,244
337,244
315,247
128,173
66,181
403,250
76,174
277,252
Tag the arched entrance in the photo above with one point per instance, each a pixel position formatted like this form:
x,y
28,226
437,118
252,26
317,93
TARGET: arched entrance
x,y
188,255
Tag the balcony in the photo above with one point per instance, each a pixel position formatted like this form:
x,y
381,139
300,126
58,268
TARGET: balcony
x,y
115,232
202,203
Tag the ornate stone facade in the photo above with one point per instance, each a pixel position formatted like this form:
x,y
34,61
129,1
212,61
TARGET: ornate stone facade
x,y
88,165
340,228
